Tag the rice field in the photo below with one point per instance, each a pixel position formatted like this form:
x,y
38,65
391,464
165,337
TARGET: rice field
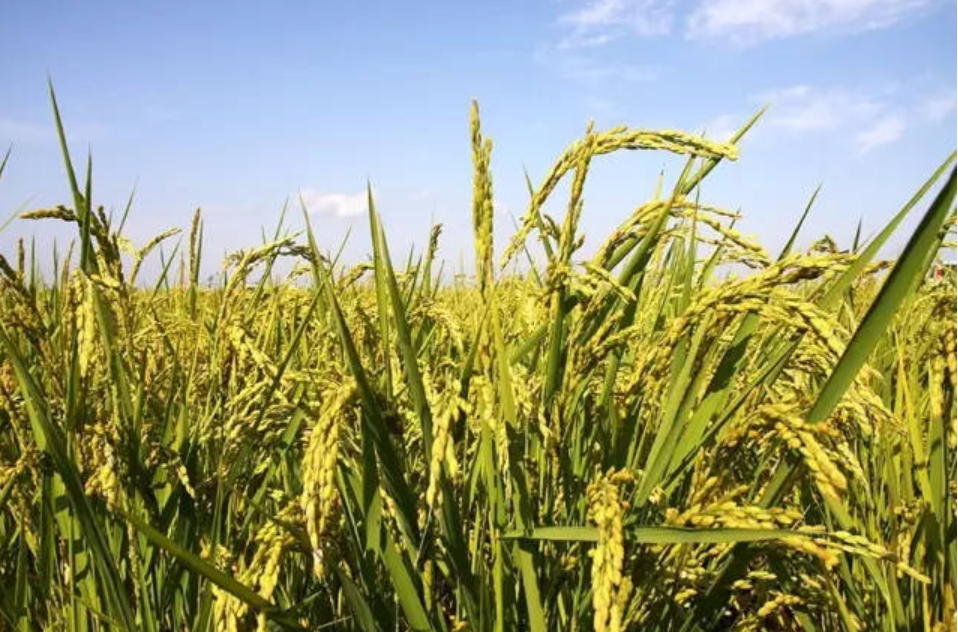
x,y
631,440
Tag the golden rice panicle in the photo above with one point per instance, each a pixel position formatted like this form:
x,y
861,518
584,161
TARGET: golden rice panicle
x,y
262,574
86,325
787,426
273,541
433,246
951,353
615,139
448,410
103,464
21,259
227,609
724,511
611,590
862,546
60,212
319,499
778,602
481,200
195,236
567,239
825,554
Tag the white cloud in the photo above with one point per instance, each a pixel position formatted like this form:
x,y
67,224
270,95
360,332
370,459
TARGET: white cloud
x,y
885,130
23,132
320,202
721,128
860,120
592,70
743,22
863,120
600,108
938,108
597,22
752,21
422,195
586,70
804,108
599,82
29,133
162,113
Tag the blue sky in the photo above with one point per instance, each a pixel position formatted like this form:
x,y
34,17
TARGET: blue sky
x,y
235,107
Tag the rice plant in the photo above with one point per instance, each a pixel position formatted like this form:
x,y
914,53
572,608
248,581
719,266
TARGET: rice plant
x,y
631,440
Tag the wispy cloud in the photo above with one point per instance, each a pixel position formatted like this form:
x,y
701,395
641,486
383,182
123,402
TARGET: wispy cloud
x,y
588,70
162,113
598,79
332,204
601,107
861,119
885,130
939,107
593,68
18,131
742,22
722,127
23,132
596,22
746,22
805,108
